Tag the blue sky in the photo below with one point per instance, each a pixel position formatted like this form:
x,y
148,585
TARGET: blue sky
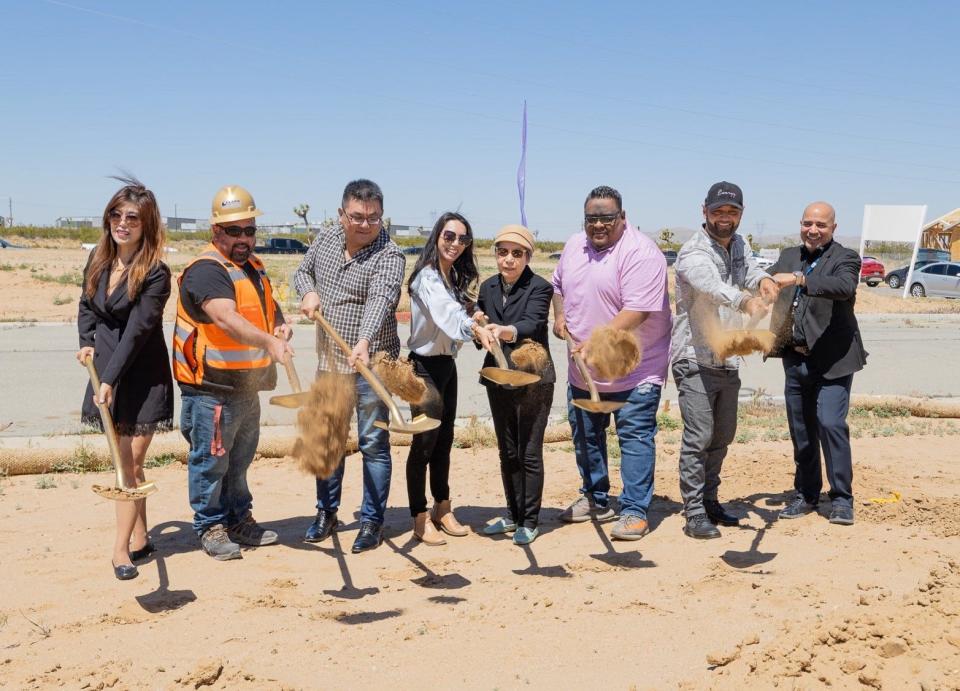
x,y
849,102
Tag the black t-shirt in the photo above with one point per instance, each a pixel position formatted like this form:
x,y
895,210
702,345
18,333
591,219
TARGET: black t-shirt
x,y
208,280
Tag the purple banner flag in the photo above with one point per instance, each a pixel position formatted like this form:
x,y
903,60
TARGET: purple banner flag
x,y
522,169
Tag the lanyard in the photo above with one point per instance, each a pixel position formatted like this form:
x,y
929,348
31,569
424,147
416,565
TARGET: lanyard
x,y
796,293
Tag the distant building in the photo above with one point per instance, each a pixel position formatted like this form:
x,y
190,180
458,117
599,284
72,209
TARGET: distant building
x,y
78,222
398,230
189,225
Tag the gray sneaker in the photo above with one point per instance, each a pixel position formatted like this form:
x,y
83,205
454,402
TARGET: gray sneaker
x,y
249,532
585,508
629,527
217,544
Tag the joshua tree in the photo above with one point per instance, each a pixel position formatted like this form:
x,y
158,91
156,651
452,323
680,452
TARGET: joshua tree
x,y
666,236
302,212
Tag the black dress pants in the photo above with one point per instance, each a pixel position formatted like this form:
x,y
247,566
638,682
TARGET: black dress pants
x,y
432,449
817,415
519,419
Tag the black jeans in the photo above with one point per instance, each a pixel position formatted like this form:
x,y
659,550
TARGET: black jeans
x,y
432,449
520,418
817,414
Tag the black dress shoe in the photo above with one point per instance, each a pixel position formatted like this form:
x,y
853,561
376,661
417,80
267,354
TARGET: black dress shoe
x,y
718,514
143,552
124,572
322,527
369,537
700,527
841,515
798,507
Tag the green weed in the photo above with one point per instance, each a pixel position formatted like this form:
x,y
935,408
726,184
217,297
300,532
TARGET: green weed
x,y
45,482
160,460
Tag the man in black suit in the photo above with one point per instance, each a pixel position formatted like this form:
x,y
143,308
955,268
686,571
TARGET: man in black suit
x,y
819,341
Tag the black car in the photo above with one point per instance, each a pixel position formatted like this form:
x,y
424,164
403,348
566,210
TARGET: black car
x,y
670,256
416,251
896,278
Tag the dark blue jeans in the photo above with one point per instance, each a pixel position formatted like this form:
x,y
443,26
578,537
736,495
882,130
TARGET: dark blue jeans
x,y
218,484
636,424
377,466
817,415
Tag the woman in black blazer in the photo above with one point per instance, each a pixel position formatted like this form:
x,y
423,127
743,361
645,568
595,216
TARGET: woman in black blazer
x,y
125,288
516,302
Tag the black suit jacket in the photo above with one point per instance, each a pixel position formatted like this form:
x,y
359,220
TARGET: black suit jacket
x,y
527,308
827,316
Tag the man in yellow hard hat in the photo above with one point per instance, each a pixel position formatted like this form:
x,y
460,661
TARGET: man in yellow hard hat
x,y
229,333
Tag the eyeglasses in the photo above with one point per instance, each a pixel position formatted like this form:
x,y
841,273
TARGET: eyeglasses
x,y
237,231
819,224
606,220
116,218
360,220
516,254
450,237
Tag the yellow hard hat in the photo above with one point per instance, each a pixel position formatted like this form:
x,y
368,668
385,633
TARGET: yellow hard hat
x,y
233,203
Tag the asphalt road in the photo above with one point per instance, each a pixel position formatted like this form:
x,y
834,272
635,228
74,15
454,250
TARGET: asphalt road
x,y
42,383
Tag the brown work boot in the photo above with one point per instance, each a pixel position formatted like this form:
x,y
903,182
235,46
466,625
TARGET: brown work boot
x,y
425,531
444,519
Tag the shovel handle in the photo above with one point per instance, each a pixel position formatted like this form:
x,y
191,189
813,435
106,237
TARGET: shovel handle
x,y
364,371
107,420
292,373
582,366
495,348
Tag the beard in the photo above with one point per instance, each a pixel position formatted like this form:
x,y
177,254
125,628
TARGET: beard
x,y
721,234
240,254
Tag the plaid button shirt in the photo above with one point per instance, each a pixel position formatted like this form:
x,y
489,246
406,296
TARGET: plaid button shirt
x,y
358,296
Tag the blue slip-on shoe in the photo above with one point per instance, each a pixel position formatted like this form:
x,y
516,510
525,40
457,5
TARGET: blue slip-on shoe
x,y
499,527
524,535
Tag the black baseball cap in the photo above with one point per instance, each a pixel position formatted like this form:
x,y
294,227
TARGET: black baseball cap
x,y
722,194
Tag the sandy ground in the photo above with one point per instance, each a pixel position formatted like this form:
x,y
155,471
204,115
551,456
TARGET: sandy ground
x,y
798,604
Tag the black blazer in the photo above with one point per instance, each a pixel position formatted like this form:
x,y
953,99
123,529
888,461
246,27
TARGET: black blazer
x,y
828,320
527,308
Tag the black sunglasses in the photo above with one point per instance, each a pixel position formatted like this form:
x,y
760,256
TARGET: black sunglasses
x,y
515,253
237,231
449,237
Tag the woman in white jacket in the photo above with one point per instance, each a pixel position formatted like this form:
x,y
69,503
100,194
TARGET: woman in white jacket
x,y
442,294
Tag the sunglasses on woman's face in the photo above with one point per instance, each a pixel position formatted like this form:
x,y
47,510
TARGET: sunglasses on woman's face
x,y
516,254
450,237
237,231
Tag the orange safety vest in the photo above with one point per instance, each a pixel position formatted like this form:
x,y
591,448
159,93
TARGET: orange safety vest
x,y
205,353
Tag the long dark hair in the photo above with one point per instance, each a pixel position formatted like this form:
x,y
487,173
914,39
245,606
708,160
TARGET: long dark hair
x,y
465,274
151,243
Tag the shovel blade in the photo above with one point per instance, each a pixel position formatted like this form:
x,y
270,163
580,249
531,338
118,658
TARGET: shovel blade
x,y
592,406
421,423
290,400
126,494
509,377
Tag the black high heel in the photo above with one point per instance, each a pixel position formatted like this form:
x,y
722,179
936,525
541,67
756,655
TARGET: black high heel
x,y
125,572
143,552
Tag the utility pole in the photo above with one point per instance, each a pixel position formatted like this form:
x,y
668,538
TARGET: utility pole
x,y
175,214
10,207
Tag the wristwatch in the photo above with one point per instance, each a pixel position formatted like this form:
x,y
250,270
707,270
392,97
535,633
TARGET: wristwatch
x,y
800,279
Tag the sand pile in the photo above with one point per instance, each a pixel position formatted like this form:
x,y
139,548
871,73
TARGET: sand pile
x,y
118,494
323,424
530,356
399,377
612,353
730,342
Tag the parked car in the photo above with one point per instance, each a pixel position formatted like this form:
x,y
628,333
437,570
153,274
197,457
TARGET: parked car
x,y
938,279
7,245
416,251
897,277
871,271
762,261
554,255
670,256
281,246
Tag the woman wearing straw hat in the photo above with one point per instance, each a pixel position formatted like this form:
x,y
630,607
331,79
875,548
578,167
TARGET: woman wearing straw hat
x,y
125,287
440,294
516,302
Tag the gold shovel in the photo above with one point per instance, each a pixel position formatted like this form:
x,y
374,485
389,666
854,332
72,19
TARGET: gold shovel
x,y
118,492
421,423
592,404
291,400
502,374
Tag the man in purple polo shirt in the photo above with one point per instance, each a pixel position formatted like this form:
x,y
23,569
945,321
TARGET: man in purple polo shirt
x,y
613,275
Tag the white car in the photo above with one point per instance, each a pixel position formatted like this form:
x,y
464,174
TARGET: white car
x,y
763,262
940,279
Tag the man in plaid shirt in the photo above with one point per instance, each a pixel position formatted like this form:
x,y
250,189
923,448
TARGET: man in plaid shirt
x,y
353,274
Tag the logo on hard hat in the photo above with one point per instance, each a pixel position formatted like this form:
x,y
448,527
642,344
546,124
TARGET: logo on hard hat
x,y
226,203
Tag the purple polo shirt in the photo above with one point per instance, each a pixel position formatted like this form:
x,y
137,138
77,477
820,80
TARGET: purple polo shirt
x,y
595,286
